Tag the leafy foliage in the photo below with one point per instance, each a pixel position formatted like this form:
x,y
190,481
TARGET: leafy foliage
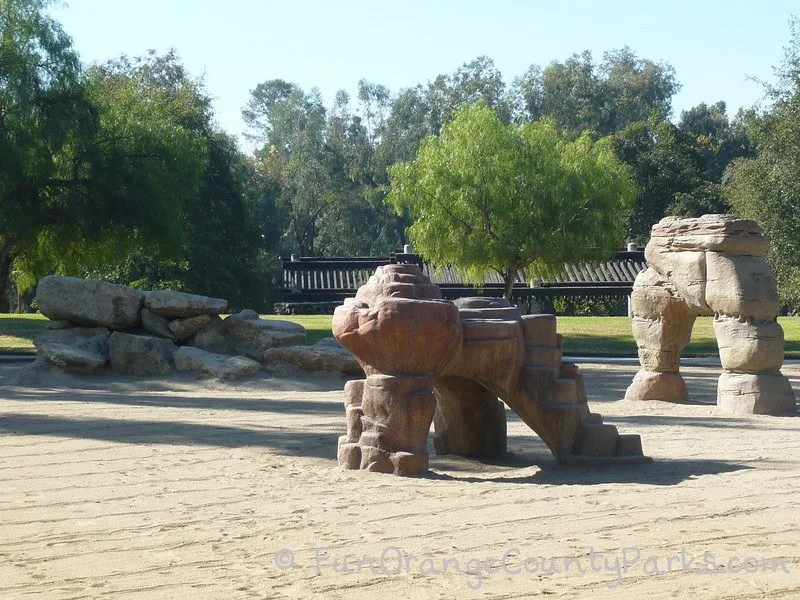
x,y
487,196
767,188
679,168
218,247
93,166
603,98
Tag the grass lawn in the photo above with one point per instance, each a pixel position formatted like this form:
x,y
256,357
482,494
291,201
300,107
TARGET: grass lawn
x,y
584,336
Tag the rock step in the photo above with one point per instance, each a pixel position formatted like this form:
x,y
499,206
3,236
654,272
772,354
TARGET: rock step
x,y
568,370
629,445
542,356
594,419
539,330
596,440
565,391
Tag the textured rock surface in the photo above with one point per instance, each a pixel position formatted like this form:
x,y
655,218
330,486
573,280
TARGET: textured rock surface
x,y
89,302
326,355
75,349
755,393
712,265
185,328
172,304
156,324
140,354
241,334
217,365
429,360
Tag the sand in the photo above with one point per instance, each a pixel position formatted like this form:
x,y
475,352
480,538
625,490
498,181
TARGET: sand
x,y
182,488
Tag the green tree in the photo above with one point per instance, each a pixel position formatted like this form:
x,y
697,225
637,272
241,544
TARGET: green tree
x,y
581,95
323,165
90,169
222,249
489,197
679,168
767,188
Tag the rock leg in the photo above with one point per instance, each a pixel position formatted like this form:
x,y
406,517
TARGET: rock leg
x,y
662,327
751,352
394,419
469,420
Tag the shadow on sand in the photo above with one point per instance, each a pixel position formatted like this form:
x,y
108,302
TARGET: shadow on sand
x,y
661,472
285,441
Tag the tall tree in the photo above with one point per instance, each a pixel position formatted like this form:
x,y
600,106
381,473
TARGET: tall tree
x,y
220,250
490,197
89,168
679,168
767,188
581,95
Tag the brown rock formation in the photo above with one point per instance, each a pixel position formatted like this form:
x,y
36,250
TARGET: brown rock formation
x,y
428,359
711,265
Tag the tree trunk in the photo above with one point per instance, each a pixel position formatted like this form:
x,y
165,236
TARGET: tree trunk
x,y
508,279
6,258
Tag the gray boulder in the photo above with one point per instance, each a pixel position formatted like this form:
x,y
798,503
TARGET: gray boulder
x,y
325,355
71,358
89,302
140,354
241,334
216,365
186,328
248,313
172,304
156,324
82,349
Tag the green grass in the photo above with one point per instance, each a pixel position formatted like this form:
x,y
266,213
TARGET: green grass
x,y
17,332
584,336
317,326
612,336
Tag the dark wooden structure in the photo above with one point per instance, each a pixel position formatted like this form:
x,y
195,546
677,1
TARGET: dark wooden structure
x,y
316,279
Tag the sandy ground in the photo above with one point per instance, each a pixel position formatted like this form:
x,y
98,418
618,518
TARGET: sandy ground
x,y
116,488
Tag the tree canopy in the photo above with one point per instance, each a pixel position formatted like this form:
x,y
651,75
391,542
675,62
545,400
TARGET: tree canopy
x,y
766,188
119,170
490,197
91,166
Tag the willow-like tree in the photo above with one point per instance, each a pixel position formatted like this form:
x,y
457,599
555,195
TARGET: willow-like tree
x,y
488,197
90,166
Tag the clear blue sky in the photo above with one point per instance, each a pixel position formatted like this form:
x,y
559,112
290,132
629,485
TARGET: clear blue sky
x,y
714,45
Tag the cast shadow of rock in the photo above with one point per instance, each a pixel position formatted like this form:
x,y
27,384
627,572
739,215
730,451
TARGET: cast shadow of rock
x,y
659,472
219,401
285,441
528,454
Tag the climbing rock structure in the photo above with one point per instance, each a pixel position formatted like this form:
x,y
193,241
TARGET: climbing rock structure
x,y
431,360
711,265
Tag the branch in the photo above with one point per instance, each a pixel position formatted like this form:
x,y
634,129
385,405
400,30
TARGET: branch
x,y
467,225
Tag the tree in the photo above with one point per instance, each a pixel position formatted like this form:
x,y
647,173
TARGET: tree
x,y
679,168
604,98
323,165
222,246
90,168
767,188
489,197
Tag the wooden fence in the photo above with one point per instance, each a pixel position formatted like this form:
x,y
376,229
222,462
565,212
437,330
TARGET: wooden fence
x,y
317,279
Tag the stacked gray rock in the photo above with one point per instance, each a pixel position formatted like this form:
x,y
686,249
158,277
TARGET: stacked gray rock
x,y
96,323
711,265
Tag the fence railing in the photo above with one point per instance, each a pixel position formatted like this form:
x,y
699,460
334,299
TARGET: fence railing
x,y
316,279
